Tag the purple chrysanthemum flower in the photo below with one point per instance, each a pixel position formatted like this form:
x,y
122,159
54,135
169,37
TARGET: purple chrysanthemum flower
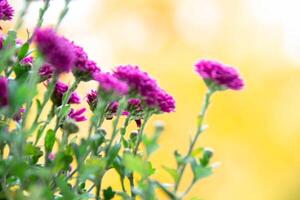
x,y
219,74
78,115
27,60
146,87
3,92
91,99
59,91
110,84
46,71
6,11
57,50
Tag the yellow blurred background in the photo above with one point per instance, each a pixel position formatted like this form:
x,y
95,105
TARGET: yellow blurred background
x,y
256,132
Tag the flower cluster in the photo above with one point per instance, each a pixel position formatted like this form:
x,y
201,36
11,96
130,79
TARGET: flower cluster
x,y
6,11
125,95
219,74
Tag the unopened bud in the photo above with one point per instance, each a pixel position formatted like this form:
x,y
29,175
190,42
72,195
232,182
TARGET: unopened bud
x,y
70,126
159,126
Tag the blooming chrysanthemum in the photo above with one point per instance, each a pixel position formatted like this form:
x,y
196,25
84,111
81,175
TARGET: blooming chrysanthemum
x,y
220,74
141,83
6,11
77,115
57,50
3,92
110,84
59,91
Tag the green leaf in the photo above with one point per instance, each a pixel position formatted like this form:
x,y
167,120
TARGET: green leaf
x,y
172,172
23,51
49,140
197,152
33,152
108,193
65,188
200,171
150,144
135,163
62,161
93,168
65,111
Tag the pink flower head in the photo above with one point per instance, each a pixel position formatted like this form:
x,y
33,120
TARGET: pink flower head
x,y
57,50
60,90
220,74
77,115
4,94
110,84
6,11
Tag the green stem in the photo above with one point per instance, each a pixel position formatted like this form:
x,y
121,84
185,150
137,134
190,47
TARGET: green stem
x,y
42,13
131,182
98,188
47,96
141,131
22,14
98,118
122,106
40,21
201,117
63,14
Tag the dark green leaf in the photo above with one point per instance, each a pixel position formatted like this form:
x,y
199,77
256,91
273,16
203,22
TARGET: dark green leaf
x,y
49,140
108,193
172,172
23,51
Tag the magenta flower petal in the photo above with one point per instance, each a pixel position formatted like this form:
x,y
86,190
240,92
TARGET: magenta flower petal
x,y
77,115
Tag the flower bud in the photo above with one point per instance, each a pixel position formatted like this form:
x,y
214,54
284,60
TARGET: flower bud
x,y
159,126
207,155
133,135
70,126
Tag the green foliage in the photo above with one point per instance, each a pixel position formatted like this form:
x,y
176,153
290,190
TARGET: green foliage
x,y
46,154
